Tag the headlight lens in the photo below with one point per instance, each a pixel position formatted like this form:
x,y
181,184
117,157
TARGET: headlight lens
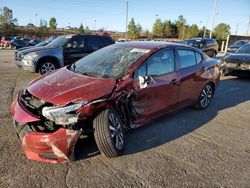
x,y
30,56
59,114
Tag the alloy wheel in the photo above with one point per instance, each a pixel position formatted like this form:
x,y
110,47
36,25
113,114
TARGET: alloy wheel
x,y
206,96
47,68
116,130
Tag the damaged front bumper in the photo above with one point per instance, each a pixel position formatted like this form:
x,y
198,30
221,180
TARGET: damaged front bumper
x,y
40,146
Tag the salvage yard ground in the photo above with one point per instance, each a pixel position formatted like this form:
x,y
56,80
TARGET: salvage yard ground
x,y
209,148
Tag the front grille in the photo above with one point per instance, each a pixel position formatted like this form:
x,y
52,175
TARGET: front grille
x,y
32,104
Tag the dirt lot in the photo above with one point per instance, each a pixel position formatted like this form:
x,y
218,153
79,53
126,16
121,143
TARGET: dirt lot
x,y
209,148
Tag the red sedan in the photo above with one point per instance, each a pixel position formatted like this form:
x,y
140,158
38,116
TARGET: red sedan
x,y
117,88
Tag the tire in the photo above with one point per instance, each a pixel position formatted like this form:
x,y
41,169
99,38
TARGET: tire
x,y
109,133
47,66
205,97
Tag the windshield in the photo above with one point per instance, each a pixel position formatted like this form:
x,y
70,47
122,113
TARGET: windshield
x,y
60,41
111,61
244,49
195,43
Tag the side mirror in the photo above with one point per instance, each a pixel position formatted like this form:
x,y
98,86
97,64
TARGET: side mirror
x,y
143,81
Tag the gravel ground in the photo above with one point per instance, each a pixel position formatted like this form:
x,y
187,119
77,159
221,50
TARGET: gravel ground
x,y
209,148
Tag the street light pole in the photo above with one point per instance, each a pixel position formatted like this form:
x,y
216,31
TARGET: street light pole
x,y
126,35
36,20
214,12
236,30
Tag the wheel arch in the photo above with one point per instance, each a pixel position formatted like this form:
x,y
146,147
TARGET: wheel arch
x,y
40,60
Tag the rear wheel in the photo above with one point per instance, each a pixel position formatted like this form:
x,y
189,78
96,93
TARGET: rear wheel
x,y
205,97
109,133
47,66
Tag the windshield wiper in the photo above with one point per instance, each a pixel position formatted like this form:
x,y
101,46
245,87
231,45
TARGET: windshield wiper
x,y
89,74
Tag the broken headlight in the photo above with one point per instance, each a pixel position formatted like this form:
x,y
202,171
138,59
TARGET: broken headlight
x,y
63,115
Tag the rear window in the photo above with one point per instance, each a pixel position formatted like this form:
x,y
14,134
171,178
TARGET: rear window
x,y
187,58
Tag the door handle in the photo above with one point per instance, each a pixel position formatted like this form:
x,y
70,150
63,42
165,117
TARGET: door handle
x,y
174,82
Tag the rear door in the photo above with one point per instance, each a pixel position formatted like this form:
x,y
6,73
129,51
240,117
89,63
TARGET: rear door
x,y
160,92
74,49
190,72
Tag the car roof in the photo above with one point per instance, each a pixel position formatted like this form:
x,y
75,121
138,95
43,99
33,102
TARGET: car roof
x,y
149,45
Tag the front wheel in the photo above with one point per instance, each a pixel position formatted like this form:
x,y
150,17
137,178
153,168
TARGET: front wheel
x,y
205,97
46,67
109,133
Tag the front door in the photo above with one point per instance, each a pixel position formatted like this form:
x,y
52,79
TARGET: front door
x,y
157,86
74,49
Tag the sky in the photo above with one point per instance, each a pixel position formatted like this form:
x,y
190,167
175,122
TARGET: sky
x,y
111,14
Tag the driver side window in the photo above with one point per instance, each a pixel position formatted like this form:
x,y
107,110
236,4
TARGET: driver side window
x,y
160,63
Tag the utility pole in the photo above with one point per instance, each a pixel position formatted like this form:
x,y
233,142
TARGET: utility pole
x,y
236,30
204,34
214,12
248,25
126,35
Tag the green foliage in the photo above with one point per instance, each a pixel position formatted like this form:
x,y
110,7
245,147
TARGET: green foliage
x,y
52,23
158,28
192,31
169,29
87,30
43,28
134,30
221,31
6,18
81,29
181,26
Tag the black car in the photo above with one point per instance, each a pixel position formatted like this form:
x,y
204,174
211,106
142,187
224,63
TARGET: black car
x,y
62,51
236,45
34,42
238,63
207,45
18,43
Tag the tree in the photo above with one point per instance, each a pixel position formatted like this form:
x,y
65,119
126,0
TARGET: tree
x,y
87,30
158,28
43,28
52,23
181,26
81,29
134,30
6,18
221,31
192,31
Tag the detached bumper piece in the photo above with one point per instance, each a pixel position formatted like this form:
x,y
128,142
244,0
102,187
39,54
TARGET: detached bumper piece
x,y
50,147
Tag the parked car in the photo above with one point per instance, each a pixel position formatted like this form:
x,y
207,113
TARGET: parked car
x,y
27,40
120,87
43,43
207,45
5,42
238,63
18,43
34,42
62,51
236,45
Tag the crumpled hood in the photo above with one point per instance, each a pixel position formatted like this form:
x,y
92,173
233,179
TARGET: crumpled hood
x,y
64,86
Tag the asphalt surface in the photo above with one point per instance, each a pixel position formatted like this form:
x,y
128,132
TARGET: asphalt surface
x,y
209,148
